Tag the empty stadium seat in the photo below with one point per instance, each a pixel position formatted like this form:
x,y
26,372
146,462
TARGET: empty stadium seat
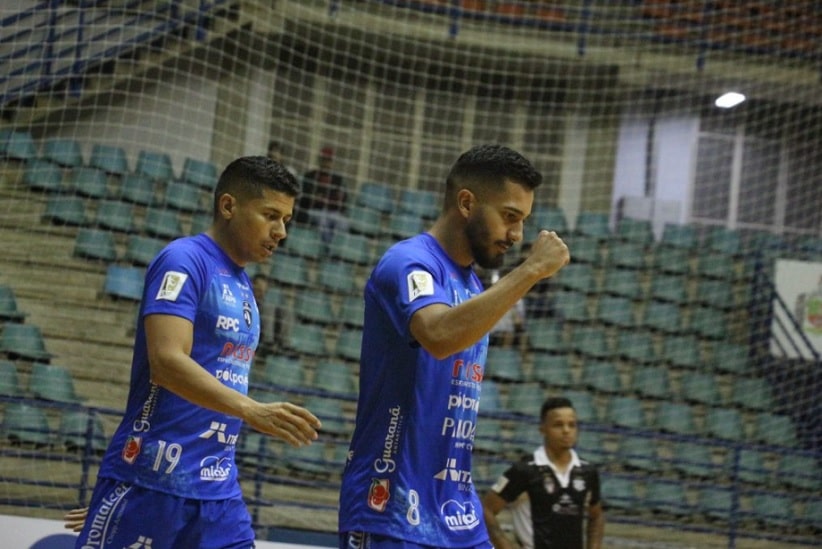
x,y
675,417
662,317
377,196
679,236
700,388
552,370
156,165
590,342
668,498
95,244
350,247
626,255
137,189
715,265
545,335
601,376
25,423
109,158
504,364
729,357
526,399
42,175
622,283
636,346
775,429
770,509
708,322
669,287
577,277
314,307
115,215
489,435
23,341
141,250
615,311
571,306
593,224
718,294
800,471
725,423
88,181
9,380
751,394
352,311
304,242
404,225
694,460
162,223
330,413
283,371
621,492
625,411
77,434
63,152
308,339
8,305
723,240
635,230
364,220
670,260
552,219
66,210
335,377
336,276
584,249
638,453
583,402
123,282
20,146
421,203
349,343
183,196
201,173
525,437
651,382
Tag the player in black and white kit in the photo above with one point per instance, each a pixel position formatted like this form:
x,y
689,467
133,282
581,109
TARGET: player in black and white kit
x,y
549,492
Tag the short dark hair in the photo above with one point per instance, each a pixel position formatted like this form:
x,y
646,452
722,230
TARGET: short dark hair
x,y
553,403
489,166
247,176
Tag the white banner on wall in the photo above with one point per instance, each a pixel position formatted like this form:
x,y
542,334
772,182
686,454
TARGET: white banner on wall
x,y
799,284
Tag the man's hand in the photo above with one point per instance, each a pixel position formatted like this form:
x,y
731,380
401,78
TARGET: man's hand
x,y
75,519
289,422
548,254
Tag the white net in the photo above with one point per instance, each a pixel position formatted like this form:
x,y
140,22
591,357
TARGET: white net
x,y
698,391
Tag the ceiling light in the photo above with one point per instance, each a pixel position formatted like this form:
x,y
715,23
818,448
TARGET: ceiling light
x,y
729,99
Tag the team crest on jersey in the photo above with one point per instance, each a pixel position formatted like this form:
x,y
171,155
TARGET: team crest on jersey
x,y
172,285
548,482
247,313
131,449
379,493
419,283
578,484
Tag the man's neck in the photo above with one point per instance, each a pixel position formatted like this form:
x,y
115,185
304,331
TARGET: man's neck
x,y
560,458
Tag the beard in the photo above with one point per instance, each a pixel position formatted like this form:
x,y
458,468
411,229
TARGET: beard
x,y
479,240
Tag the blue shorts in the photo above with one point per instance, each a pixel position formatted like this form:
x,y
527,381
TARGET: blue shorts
x,y
123,515
366,540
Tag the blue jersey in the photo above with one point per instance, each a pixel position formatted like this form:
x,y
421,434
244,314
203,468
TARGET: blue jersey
x,y
165,442
409,469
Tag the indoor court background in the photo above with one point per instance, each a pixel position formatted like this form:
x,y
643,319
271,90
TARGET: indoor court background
x,y
697,387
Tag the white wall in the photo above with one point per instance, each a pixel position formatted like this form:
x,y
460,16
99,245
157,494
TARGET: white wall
x,y
175,115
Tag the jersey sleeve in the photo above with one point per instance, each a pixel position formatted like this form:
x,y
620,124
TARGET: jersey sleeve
x,y
405,283
174,283
512,482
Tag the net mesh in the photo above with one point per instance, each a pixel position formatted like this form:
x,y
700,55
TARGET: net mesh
x,y
695,382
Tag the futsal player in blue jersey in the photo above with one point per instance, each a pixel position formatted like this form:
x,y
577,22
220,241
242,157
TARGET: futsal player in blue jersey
x,y
169,478
550,492
407,482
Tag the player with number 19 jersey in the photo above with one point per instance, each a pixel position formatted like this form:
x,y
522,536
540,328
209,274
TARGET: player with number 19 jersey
x,y
164,443
408,475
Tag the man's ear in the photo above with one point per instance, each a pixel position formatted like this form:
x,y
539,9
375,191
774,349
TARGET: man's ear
x,y
226,206
465,201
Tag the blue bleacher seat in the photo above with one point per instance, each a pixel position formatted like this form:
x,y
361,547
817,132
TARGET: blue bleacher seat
x,y
154,164
550,218
66,210
140,250
553,370
162,223
625,411
183,196
593,224
201,173
138,189
9,379
651,382
23,341
115,215
622,283
377,196
91,182
42,175
63,152
52,382
25,423
314,307
124,282
95,244
545,335
418,202
679,236
577,277
601,376
20,146
504,364
675,417
109,158
635,230
8,306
